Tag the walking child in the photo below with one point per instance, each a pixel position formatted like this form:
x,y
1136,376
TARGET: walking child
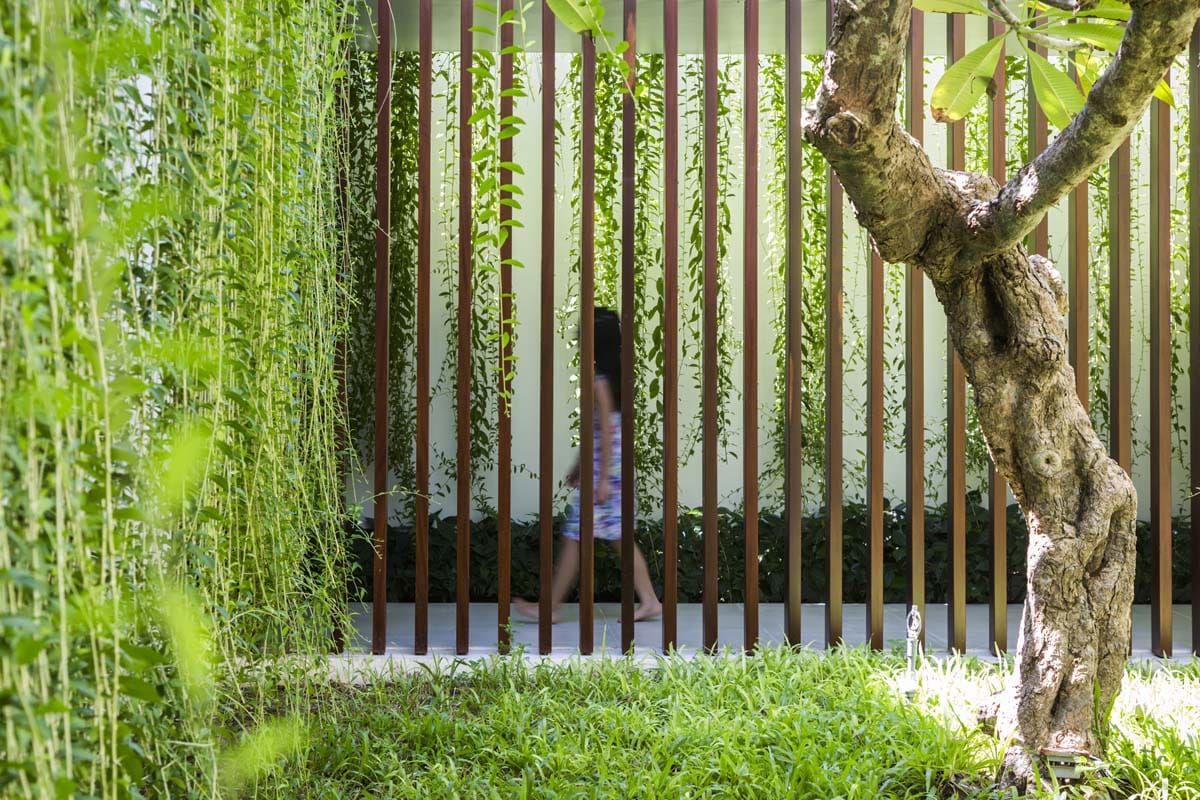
x,y
606,479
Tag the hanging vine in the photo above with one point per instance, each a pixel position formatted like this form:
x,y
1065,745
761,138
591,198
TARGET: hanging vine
x,y
169,313
488,233
814,287
648,286
360,237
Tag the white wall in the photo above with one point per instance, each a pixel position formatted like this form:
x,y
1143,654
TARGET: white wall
x,y
527,289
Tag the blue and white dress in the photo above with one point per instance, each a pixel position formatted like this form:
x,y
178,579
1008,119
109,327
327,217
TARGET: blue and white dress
x,y
606,517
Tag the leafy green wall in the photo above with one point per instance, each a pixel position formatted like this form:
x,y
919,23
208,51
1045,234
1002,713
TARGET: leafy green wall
x,y
648,312
168,307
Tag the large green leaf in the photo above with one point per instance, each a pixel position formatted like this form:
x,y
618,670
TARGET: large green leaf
x,y
964,83
1087,65
1163,92
951,6
1056,93
1096,34
581,16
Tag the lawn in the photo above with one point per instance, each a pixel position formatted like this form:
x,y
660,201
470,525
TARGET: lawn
x,y
778,724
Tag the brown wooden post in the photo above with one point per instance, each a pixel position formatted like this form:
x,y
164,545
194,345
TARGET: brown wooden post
x,y
750,334
793,487
1078,259
914,347
504,410
1194,319
424,237
1160,377
462,632
670,323
628,332
1119,399
546,482
587,367
383,175
709,382
956,412
997,490
833,401
875,451
1039,241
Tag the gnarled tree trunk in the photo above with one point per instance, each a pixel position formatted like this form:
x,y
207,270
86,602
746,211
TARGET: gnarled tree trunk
x,y
1005,311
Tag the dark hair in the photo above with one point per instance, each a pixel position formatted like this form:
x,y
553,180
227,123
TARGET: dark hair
x,y
608,349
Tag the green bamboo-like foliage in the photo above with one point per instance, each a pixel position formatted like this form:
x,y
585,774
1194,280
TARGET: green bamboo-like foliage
x,y
169,304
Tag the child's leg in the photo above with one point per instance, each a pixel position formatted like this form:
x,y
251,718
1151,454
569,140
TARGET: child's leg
x,y
565,571
648,604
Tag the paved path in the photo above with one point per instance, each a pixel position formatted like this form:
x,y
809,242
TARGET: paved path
x,y
648,635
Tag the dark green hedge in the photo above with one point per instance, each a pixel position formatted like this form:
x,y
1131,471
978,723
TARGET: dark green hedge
x,y
442,550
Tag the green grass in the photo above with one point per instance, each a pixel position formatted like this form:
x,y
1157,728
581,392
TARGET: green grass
x,y
777,724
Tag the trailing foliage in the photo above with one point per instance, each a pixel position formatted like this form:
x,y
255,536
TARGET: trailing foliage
x,y
813,289
649,308
359,233
168,313
647,337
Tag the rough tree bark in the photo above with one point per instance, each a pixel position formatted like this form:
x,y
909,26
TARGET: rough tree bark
x,y
1005,311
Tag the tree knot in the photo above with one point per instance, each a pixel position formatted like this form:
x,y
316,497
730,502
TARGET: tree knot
x,y
845,128
1047,463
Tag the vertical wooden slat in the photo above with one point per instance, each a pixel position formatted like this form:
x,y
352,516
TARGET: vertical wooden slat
x,y
1039,241
1077,266
670,376
833,401
587,367
709,383
1160,377
1077,292
914,347
546,358
793,488
504,410
956,412
750,332
997,491
424,239
1194,318
628,333
383,139
1119,397
875,451
462,632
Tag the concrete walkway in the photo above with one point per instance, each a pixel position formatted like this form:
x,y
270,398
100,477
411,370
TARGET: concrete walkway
x,y
648,635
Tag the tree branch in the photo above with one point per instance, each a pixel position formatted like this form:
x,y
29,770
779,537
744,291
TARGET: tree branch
x,y
898,195
1157,32
1049,42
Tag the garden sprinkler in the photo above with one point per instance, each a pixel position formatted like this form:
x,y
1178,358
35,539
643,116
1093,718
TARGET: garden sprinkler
x,y
910,652
1068,766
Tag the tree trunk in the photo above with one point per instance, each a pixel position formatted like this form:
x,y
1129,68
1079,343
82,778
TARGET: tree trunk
x,y
1006,321
1005,311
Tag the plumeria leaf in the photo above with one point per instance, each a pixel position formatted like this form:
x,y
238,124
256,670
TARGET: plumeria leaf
x,y
961,86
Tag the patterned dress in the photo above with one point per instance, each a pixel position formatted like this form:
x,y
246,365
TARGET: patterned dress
x,y
606,517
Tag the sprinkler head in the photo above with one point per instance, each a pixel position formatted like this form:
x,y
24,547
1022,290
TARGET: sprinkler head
x,y
1068,766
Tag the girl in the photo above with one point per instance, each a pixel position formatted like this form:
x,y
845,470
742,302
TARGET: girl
x,y
606,480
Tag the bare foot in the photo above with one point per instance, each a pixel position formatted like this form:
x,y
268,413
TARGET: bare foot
x,y
531,610
647,611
